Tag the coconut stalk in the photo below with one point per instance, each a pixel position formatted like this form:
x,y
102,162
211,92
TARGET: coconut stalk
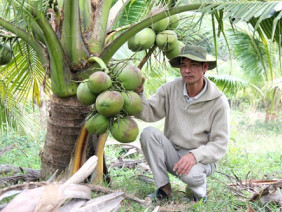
x,y
99,28
98,173
81,141
85,14
62,83
71,35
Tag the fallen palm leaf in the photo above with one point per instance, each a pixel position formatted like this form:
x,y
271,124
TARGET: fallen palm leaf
x,y
271,193
15,179
146,179
72,205
55,195
126,163
87,168
47,198
51,196
20,187
98,188
130,152
105,203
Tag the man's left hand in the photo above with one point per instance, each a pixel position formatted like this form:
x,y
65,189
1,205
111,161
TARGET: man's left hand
x,y
184,165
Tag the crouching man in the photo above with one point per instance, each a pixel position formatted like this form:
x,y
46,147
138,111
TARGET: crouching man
x,y
196,130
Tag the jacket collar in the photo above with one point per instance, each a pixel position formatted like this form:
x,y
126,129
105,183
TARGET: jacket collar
x,y
211,93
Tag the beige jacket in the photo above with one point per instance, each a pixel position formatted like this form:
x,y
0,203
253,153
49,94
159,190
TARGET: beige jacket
x,y
202,126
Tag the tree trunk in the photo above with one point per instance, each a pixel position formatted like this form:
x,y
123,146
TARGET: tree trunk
x,y
65,120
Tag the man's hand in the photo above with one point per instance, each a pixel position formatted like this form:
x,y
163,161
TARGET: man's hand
x,y
141,86
184,165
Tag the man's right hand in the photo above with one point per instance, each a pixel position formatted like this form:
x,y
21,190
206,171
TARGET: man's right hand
x,y
140,89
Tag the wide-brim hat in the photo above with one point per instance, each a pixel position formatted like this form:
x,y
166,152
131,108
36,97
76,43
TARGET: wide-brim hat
x,y
195,53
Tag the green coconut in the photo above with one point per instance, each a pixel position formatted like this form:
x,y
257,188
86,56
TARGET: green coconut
x,y
125,130
97,124
169,46
132,103
5,54
161,25
145,39
173,21
99,81
175,51
84,95
165,38
109,103
132,45
129,75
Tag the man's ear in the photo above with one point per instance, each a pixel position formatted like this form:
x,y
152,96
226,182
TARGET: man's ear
x,y
205,66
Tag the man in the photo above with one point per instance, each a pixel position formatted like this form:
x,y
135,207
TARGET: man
x,y
196,130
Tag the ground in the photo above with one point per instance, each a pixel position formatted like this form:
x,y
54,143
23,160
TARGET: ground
x,y
254,154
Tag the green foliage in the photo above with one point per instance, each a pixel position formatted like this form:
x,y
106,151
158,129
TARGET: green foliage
x,y
134,12
20,86
26,151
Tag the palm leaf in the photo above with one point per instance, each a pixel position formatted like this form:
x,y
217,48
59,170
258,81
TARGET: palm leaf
x,y
134,12
267,15
11,113
273,92
230,85
250,53
25,75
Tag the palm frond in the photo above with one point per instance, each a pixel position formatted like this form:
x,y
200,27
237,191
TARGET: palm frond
x,y
274,89
15,11
266,14
134,12
12,114
250,53
230,85
25,75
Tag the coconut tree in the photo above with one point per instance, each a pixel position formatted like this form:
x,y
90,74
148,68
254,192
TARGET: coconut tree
x,y
73,38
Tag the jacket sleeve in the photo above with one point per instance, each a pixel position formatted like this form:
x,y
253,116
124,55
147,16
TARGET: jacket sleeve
x,y
217,146
154,108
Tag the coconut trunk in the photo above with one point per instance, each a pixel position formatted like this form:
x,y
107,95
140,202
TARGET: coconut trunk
x,y
65,120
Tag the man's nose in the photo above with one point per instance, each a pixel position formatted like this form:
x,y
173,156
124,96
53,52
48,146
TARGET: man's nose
x,y
187,69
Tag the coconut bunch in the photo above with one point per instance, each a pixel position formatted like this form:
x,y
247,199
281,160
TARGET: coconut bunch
x,y
160,33
114,101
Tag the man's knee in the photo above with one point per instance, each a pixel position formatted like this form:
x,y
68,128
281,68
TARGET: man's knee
x,y
195,178
147,134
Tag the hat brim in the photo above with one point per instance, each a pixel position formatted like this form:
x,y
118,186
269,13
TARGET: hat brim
x,y
176,61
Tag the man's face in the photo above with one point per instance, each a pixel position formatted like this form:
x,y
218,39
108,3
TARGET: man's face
x,y
192,71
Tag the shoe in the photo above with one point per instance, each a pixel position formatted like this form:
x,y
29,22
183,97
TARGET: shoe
x,y
200,199
191,196
158,195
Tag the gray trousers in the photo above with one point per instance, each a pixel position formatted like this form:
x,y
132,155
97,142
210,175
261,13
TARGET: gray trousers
x,y
161,157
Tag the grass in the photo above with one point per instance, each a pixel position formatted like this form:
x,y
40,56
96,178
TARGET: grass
x,y
25,152
255,152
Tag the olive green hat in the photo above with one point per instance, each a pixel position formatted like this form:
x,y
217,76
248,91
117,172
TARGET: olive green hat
x,y
195,53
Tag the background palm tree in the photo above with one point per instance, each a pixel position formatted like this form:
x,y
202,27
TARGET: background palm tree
x,y
261,65
65,35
